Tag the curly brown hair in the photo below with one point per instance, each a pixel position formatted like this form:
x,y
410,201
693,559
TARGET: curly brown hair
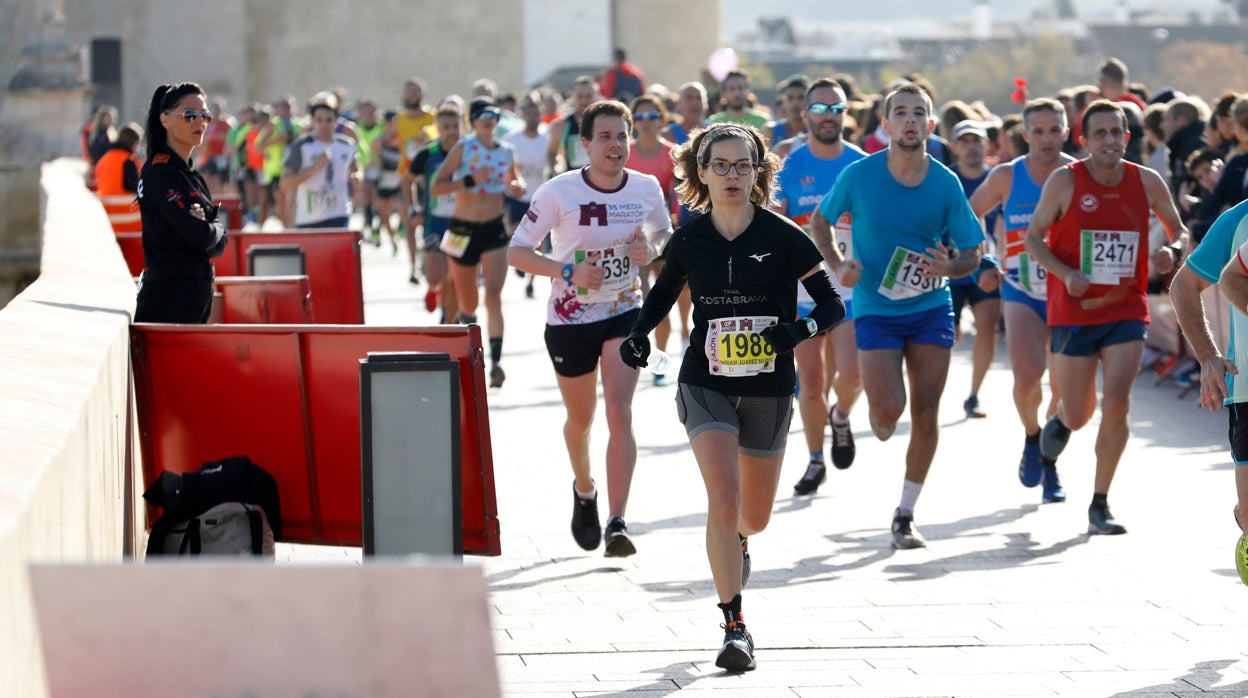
x,y
695,154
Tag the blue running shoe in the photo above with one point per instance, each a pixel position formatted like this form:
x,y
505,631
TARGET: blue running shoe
x,y
1053,491
1053,438
1031,467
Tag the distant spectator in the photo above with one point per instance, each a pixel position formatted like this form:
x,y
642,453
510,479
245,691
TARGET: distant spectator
x,y
1156,154
623,80
1225,123
1204,168
1232,187
102,134
735,93
1184,127
1113,83
789,114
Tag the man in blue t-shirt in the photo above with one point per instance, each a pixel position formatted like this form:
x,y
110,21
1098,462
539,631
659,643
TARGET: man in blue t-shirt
x,y
1220,382
903,202
808,173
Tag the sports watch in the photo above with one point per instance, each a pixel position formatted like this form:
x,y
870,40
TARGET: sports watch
x,y
566,273
812,327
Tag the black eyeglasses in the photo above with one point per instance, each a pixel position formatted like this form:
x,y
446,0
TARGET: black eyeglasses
x,y
743,167
190,115
820,108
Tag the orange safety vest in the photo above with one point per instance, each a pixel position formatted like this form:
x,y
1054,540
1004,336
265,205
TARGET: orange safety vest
x,y
121,206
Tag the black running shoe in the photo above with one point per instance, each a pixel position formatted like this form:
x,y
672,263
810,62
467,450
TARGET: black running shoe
x,y
745,560
585,527
843,449
816,473
905,535
1101,522
737,654
618,542
497,376
1053,438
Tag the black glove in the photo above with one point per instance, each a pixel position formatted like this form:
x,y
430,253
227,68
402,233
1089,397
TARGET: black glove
x,y
784,336
635,350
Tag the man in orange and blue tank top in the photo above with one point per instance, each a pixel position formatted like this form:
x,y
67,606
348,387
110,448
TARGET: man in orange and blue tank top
x,y
1095,213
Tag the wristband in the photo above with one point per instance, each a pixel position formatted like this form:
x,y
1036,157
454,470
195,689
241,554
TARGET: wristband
x,y
812,327
566,273
468,181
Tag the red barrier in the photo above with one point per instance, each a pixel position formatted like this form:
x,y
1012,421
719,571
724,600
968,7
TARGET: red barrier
x,y
265,300
233,207
288,397
332,258
332,264
132,249
131,245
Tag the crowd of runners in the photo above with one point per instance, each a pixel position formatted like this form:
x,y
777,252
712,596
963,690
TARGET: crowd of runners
x,y
824,246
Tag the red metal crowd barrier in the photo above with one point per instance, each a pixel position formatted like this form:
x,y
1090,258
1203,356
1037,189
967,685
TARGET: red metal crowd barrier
x,y
265,300
288,398
332,259
233,207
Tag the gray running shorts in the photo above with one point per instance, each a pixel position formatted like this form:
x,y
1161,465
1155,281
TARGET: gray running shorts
x,y
761,424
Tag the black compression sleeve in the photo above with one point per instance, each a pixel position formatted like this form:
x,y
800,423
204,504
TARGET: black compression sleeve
x,y
663,294
829,308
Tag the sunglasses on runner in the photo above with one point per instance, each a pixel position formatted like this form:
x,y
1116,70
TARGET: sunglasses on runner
x,y
820,108
647,116
190,115
490,113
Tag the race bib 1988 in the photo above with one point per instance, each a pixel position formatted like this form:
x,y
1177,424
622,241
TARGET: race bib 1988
x,y
735,348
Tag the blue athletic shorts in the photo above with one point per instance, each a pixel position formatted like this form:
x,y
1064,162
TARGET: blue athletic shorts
x,y
515,209
933,326
1009,294
1087,340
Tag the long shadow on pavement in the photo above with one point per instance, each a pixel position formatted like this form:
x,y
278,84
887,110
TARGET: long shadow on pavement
x,y
1198,679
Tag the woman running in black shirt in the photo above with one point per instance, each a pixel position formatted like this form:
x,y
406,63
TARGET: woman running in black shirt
x,y
742,264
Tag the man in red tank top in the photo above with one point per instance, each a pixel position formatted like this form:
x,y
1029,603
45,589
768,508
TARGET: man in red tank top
x,y
1094,213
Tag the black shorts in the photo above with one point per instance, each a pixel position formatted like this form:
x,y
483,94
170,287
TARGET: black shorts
x,y
969,294
575,349
1237,433
515,209
387,193
482,237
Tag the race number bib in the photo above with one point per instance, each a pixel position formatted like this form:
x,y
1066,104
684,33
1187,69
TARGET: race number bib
x,y
619,274
454,244
1106,256
845,236
1032,275
735,349
321,203
902,279
442,206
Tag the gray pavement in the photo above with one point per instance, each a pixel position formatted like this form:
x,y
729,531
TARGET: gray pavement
x,y
1011,598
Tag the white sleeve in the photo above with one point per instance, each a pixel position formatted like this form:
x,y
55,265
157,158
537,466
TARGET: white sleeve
x,y
541,218
658,219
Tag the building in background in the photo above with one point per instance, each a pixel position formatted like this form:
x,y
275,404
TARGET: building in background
x,y
259,50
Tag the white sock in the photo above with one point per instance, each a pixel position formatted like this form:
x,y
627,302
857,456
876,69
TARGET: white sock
x,y
587,496
909,495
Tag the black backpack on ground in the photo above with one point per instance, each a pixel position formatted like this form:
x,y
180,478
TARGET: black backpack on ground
x,y
227,507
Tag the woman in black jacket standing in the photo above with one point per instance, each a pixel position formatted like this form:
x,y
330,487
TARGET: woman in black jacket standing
x,y
181,230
